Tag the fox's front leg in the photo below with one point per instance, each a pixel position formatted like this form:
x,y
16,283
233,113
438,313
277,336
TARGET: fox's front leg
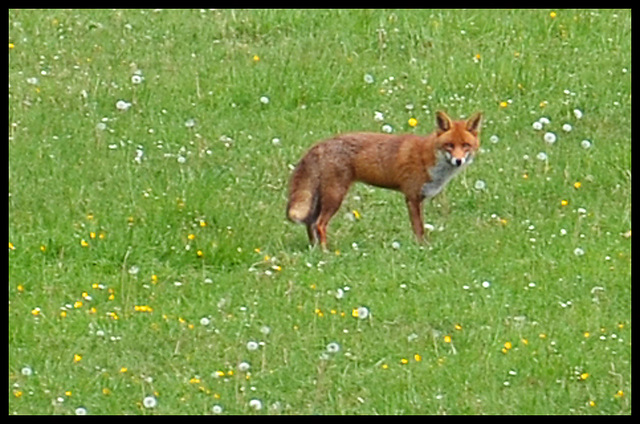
x,y
414,204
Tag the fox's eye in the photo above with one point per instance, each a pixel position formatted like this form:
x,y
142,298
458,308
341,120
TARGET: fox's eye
x,y
466,145
448,146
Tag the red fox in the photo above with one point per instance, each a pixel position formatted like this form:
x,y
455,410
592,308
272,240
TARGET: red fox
x,y
417,166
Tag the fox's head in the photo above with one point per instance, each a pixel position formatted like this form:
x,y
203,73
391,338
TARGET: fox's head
x,y
458,140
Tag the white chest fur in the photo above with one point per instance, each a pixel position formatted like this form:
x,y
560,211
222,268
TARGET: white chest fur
x,y
440,174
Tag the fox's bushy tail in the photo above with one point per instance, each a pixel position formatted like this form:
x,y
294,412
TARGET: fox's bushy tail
x,y
303,192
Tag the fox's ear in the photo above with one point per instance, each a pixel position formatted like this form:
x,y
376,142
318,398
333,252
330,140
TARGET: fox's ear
x,y
473,123
443,121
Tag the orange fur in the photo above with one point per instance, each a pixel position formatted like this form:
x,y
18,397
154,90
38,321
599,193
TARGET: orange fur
x,y
417,166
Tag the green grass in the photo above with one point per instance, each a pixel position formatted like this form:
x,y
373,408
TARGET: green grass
x,y
90,227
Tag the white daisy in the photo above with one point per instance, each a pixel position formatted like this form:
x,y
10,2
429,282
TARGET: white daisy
x,y
577,113
264,100
243,366
26,371
585,144
541,156
378,116
363,312
387,128
566,128
578,251
81,411
217,409
544,120
494,139
252,345
136,79
537,125
368,78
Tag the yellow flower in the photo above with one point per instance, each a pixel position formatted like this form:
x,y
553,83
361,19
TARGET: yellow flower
x,y
194,380
385,366
552,15
92,235
508,345
417,357
256,58
458,327
356,214
35,312
77,304
592,403
77,358
20,288
154,279
200,253
586,334
477,56
63,314
619,394
413,122
525,341
191,236
504,104
123,370
10,46
404,361
543,104
203,223
447,339
43,248
16,393
84,243
106,391
577,184
564,202
11,246
584,376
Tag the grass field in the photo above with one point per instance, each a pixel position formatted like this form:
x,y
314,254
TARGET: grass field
x,y
152,270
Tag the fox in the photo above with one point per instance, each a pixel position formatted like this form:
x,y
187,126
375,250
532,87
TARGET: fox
x,y
417,166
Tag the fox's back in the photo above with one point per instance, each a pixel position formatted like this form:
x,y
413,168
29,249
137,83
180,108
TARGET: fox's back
x,y
374,158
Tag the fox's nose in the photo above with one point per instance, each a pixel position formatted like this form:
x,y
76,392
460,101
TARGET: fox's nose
x,y
457,161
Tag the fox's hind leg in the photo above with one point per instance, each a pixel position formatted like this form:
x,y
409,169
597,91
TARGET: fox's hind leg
x,y
330,202
312,232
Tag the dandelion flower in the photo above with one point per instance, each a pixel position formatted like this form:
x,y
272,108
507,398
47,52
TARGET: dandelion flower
x,y
480,185
577,113
252,345
567,127
264,100
447,339
136,79
360,312
81,411
585,144
123,105
494,139
486,284
387,128
150,402
217,409
537,125
541,156
413,122
550,137
544,120
578,251
552,15
503,104
255,404
77,358
243,366
26,371
333,347
368,78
